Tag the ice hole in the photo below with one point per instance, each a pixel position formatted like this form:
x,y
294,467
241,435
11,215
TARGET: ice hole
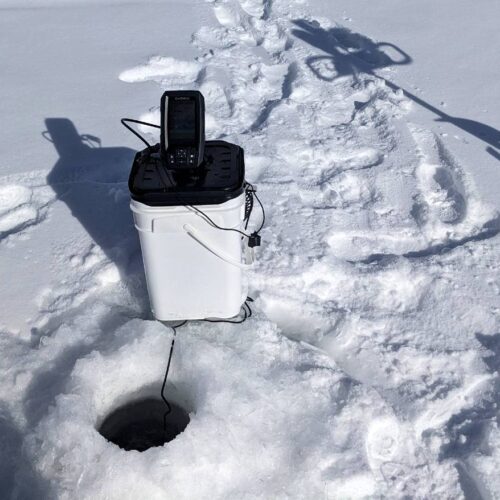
x,y
138,425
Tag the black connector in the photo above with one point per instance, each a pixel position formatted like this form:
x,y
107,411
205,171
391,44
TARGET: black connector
x,y
254,240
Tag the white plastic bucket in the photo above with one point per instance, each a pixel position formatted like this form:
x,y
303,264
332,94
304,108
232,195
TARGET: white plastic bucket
x,y
193,270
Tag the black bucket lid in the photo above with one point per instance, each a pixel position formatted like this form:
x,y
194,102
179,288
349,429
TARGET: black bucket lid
x,y
220,178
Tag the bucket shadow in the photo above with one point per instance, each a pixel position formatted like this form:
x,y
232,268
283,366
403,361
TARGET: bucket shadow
x,y
349,53
91,181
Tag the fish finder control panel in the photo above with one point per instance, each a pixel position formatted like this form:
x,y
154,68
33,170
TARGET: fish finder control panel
x,y
182,142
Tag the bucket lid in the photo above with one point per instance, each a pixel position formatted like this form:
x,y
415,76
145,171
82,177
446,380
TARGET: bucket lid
x,y
219,179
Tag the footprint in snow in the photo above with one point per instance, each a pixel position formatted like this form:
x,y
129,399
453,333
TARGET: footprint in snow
x,y
442,193
20,208
392,455
446,212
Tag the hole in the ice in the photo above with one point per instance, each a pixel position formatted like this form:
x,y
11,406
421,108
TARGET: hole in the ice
x,y
138,425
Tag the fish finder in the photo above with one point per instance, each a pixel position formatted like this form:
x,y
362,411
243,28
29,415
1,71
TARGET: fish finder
x,y
182,142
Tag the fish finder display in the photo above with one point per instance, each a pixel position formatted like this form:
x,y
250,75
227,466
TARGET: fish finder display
x,y
182,129
182,121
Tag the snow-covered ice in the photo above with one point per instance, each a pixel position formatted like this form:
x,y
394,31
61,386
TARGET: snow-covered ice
x,y
370,366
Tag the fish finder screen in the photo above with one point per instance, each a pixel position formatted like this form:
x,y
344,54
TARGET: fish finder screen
x,y
182,118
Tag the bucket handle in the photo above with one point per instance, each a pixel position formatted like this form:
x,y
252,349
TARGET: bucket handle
x,y
216,251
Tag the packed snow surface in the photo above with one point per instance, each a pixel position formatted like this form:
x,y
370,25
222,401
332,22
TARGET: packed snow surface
x,y
369,367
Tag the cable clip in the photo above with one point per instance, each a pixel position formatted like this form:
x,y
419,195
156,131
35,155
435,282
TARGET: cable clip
x,y
254,240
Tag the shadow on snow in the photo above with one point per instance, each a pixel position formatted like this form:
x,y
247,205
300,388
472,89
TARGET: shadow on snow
x,y
349,54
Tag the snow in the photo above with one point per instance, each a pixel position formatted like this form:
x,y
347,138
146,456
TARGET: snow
x,y
164,70
370,366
